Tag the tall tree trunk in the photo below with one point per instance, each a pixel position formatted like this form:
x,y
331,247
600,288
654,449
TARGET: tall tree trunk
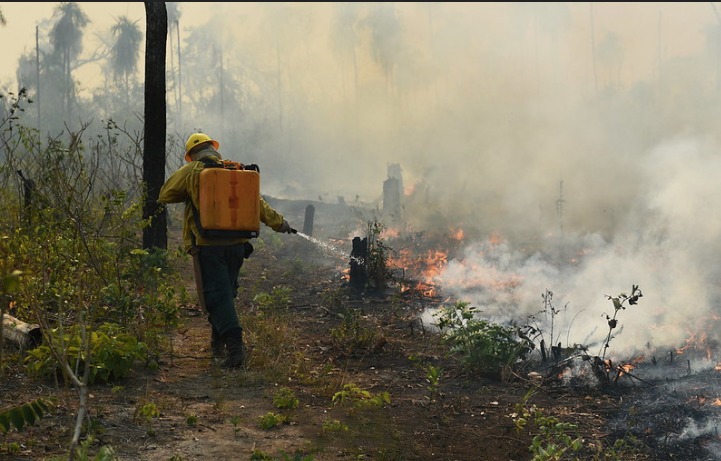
x,y
155,235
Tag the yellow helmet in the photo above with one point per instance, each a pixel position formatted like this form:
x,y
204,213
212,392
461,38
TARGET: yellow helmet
x,y
194,140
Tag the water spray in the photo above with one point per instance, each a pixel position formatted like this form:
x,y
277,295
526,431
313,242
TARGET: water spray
x,y
328,249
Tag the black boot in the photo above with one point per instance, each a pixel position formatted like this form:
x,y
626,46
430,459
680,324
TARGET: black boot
x,y
233,341
217,347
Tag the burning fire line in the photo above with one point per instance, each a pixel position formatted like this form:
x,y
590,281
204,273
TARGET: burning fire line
x,y
426,268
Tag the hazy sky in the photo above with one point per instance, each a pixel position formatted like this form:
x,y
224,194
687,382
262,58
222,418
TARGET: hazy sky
x,y
679,25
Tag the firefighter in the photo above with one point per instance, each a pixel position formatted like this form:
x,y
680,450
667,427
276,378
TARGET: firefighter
x,y
217,261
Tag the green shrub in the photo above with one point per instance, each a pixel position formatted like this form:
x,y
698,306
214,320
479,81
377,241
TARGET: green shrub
x,y
285,399
278,299
351,336
360,398
553,439
148,412
334,425
482,346
112,353
271,420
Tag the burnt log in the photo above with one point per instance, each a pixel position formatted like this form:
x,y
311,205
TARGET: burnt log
x,y
358,266
392,199
308,223
557,352
22,334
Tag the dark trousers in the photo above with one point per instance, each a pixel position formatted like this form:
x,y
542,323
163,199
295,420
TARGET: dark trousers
x,y
219,267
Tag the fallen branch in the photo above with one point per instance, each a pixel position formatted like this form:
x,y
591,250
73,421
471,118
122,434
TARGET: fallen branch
x,y
623,372
24,335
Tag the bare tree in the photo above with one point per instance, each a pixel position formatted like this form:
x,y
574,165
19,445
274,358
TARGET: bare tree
x,y
155,234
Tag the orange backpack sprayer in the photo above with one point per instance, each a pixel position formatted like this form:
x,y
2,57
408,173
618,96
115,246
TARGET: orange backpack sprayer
x,y
229,201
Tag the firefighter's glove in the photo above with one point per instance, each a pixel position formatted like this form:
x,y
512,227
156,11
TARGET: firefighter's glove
x,y
286,229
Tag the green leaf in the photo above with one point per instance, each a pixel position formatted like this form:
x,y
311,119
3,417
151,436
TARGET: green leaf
x,y
29,414
39,407
4,422
17,418
10,282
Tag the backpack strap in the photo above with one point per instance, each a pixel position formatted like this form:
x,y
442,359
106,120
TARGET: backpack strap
x,y
209,163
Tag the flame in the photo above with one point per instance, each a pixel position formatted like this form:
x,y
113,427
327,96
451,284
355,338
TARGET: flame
x,y
457,235
626,368
424,268
434,263
389,233
495,239
697,342
608,364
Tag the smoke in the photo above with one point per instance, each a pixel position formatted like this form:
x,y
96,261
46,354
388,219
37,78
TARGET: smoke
x,y
486,107
668,245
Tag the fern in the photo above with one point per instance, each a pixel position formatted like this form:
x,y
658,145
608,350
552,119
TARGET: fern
x,y
19,416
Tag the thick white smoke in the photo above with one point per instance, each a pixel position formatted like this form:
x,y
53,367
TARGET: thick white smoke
x,y
669,246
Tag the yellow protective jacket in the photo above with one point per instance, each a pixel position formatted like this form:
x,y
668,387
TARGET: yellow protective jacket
x,y
183,186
